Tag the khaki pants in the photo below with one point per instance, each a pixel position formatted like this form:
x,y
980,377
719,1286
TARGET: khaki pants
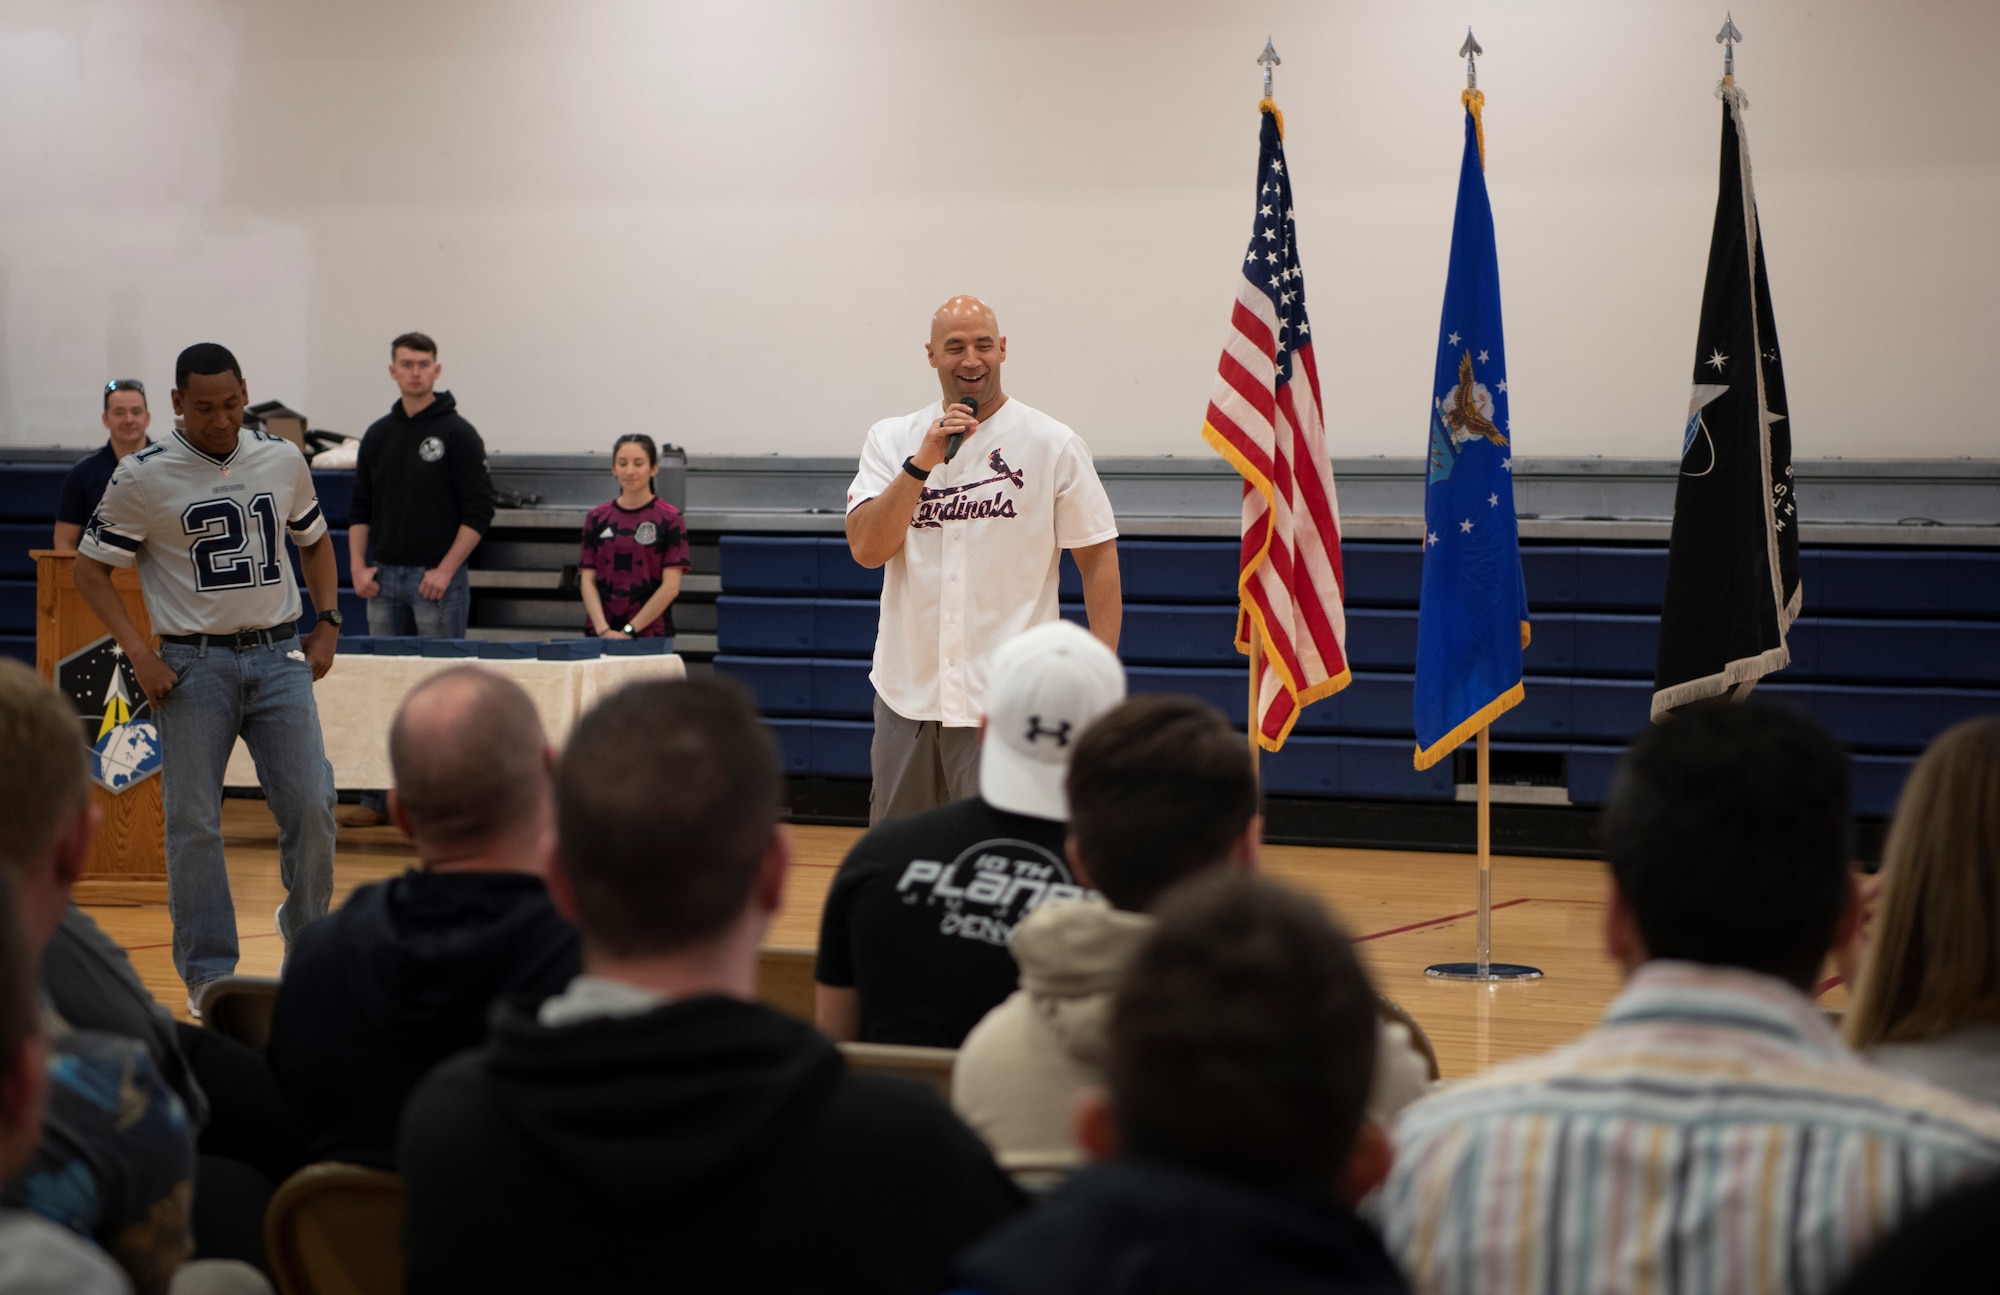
x,y
918,765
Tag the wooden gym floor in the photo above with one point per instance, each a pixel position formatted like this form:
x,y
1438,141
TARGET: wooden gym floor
x,y
1408,910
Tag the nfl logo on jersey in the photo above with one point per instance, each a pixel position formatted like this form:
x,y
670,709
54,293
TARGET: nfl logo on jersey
x,y
117,719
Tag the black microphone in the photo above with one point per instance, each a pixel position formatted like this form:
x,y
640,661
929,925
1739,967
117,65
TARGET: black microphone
x,y
956,439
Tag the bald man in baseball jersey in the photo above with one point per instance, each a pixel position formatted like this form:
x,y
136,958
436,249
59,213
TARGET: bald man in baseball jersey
x,y
967,503
204,514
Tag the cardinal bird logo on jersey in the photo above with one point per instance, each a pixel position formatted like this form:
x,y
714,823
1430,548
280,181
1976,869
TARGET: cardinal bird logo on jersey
x,y
116,718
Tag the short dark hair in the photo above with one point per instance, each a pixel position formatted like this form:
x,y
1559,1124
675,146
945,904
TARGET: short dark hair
x,y
413,342
125,384
1243,1035
467,767
666,799
20,1019
1727,830
1159,787
204,358
641,440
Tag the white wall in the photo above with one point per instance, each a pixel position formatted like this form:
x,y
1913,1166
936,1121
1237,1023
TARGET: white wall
x,y
728,223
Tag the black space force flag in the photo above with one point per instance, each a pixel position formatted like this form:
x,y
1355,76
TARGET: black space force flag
x,y
1733,564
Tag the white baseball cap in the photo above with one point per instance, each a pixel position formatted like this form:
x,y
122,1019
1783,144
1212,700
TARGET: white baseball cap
x,y
1043,688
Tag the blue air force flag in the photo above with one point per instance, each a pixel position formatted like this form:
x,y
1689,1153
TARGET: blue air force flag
x,y
1472,621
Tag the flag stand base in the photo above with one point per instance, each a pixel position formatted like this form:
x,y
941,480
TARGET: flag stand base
x,y
1483,969
1495,971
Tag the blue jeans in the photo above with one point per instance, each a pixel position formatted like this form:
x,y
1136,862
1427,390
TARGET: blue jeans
x,y
265,695
399,611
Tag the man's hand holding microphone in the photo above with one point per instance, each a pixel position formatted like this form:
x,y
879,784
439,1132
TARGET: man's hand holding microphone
x,y
875,529
941,442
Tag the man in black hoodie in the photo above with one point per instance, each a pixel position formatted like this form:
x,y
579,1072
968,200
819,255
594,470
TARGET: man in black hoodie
x,y
405,973
654,1127
422,500
1242,1049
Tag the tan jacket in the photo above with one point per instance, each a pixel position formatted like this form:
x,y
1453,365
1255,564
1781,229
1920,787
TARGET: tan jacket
x,y
1020,1071
1021,1068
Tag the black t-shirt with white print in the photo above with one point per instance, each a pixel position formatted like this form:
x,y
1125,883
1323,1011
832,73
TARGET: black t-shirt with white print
x,y
919,915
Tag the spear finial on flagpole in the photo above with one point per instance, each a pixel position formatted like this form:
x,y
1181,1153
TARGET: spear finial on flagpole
x,y
1727,38
1268,60
1470,52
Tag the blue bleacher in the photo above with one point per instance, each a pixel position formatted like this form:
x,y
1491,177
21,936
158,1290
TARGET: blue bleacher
x,y
1900,645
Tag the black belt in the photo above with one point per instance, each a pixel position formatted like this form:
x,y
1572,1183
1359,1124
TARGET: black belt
x,y
240,640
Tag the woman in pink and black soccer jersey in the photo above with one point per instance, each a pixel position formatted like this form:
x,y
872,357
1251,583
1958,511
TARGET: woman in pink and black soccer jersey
x,y
634,550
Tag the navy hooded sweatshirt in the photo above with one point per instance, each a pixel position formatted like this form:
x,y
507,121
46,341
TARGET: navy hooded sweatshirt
x,y
1143,1227
706,1145
401,976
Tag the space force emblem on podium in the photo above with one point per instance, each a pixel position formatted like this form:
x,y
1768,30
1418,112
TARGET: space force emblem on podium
x,y
117,719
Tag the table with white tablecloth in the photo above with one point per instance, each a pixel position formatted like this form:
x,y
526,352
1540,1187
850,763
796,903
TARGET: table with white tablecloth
x,y
359,696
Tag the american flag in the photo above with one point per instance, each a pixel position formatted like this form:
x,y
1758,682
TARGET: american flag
x,y
1267,424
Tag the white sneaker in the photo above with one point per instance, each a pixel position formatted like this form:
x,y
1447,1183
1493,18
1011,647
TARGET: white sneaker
x,y
193,1011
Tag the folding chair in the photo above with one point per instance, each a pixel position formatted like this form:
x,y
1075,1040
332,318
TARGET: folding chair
x,y
1391,1010
239,1008
336,1229
924,1065
785,981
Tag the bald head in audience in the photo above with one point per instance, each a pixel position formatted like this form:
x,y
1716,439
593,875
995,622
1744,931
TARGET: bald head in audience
x,y
472,771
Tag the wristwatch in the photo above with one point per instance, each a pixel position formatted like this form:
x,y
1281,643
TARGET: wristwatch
x,y
629,629
333,617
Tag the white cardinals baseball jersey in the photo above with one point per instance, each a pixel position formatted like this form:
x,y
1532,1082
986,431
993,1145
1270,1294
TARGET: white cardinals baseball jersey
x,y
979,564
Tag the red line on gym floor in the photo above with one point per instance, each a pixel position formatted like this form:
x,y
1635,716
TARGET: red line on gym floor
x,y
1435,921
168,944
1359,939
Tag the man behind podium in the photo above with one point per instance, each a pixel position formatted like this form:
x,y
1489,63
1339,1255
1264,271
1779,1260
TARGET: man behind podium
x,y
967,503
126,419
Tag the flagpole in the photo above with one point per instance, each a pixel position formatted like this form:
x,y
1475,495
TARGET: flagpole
x,y
1485,937
1482,968
1256,675
1266,60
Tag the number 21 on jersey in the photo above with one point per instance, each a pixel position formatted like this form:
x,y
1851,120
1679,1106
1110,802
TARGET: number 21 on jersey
x,y
221,540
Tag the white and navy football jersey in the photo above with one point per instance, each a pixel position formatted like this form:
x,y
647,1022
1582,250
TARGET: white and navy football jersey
x,y
208,533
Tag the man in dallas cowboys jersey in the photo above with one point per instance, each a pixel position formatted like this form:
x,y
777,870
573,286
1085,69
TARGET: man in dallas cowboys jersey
x,y
203,515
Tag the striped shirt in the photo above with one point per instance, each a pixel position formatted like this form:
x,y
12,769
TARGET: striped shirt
x,y
1713,1134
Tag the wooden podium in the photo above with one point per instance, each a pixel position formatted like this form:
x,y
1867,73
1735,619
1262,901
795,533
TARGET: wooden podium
x,y
128,861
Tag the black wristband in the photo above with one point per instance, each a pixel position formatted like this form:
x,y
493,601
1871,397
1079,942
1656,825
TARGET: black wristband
x,y
910,466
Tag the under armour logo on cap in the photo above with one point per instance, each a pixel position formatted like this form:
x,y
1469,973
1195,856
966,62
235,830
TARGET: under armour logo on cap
x,y
1044,687
1060,732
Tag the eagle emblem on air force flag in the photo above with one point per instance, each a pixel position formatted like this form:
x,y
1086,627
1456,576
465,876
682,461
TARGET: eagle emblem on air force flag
x,y
117,719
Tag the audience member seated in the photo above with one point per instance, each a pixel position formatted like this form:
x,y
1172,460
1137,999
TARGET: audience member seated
x,y
1159,788
1945,1248
245,1140
1927,1001
654,1125
1233,1140
1713,1132
405,973
36,1256
90,983
116,1159
913,938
